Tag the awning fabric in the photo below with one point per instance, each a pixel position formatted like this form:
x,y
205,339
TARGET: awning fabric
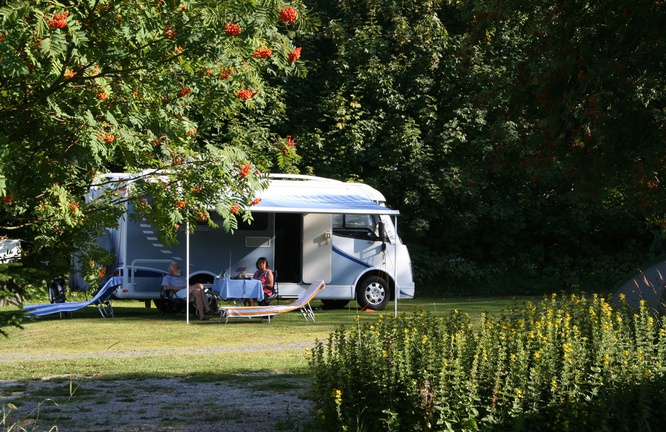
x,y
307,197
299,203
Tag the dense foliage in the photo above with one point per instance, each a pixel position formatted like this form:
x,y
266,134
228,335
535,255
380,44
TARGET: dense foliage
x,y
522,143
516,140
572,364
178,88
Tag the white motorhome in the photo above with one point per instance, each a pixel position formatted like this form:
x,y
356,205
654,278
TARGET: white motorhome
x,y
307,227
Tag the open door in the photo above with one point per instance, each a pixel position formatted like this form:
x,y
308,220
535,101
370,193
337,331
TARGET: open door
x,y
288,249
317,247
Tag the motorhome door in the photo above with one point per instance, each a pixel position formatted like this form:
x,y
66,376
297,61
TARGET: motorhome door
x,y
317,247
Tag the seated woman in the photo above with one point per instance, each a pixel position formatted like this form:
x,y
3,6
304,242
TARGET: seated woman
x,y
175,281
265,275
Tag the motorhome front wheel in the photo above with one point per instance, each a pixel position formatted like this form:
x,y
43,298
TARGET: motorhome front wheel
x,y
372,293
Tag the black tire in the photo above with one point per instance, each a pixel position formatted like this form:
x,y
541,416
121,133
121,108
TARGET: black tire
x,y
373,293
334,304
161,306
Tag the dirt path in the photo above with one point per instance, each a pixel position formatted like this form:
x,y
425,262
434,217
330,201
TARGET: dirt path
x,y
49,356
174,404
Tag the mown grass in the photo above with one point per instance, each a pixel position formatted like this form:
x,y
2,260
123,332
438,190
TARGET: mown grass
x,y
139,343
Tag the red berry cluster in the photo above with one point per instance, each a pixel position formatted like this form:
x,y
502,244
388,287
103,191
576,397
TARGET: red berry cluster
x,y
245,170
232,29
106,137
170,32
234,209
288,15
184,92
225,73
294,55
262,53
59,20
245,94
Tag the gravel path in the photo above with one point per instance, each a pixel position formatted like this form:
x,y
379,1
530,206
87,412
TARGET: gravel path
x,y
260,403
175,404
156,352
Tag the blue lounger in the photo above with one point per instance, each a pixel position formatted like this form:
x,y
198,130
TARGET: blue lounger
x,y
101,300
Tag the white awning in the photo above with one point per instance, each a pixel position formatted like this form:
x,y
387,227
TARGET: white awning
x,y
300,203
283,196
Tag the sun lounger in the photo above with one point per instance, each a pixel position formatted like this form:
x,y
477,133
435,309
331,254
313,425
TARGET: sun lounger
x,y
101,300
302,303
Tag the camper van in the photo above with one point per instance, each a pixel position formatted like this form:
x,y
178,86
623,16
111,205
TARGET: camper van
x,y
308,228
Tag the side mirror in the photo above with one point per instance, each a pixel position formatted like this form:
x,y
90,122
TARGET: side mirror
x,y
382,231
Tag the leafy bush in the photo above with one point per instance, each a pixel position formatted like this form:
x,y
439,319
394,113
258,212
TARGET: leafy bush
x,y
572,364
458,276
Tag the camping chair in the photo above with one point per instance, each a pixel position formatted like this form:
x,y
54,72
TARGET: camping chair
x,y
169,303
302,303
101,300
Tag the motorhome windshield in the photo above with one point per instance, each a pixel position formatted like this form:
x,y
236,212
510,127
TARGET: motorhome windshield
x,y
355,226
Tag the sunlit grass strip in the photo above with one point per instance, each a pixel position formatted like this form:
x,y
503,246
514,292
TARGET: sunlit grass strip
x,y
561,364
136,336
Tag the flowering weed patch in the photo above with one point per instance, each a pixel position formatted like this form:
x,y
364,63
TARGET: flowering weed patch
x,y
571,364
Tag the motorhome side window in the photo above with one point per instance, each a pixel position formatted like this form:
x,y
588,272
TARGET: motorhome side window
x,y
356,226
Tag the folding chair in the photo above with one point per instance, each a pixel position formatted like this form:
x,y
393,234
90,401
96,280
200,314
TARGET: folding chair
x,y
170,304
268,299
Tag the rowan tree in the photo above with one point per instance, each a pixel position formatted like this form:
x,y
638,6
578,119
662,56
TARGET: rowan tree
x,y
168,87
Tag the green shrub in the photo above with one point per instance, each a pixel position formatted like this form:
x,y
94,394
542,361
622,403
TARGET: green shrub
x,y
521,276
574,364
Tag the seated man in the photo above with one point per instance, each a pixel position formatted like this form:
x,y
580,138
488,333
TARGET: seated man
x,y
175,281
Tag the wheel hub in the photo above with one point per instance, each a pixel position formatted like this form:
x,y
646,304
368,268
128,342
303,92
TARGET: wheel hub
x,y
374,293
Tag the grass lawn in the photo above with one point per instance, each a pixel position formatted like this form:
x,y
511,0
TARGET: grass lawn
x,y
139,343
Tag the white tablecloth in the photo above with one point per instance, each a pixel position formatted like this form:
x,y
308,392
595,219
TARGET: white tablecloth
x,y
238,289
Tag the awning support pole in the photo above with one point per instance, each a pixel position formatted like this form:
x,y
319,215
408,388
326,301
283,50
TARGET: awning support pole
x,y
395,264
